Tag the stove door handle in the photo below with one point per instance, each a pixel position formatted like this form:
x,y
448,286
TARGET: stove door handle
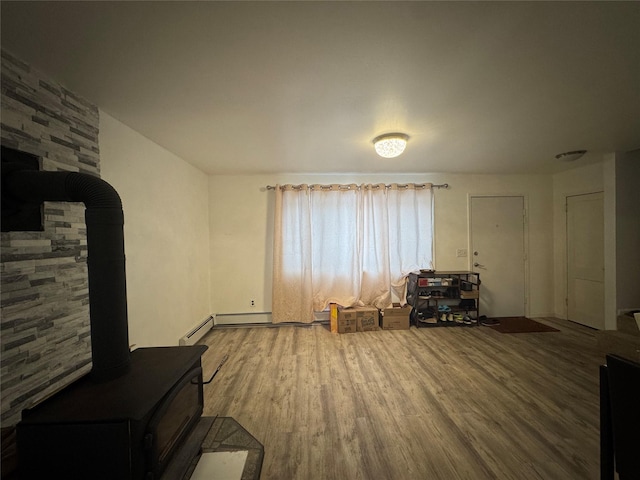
x,y
224,359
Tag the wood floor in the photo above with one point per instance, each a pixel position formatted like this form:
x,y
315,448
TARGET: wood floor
x,y
431,403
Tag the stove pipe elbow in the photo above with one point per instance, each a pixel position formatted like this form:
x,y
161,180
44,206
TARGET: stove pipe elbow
x,y
106,261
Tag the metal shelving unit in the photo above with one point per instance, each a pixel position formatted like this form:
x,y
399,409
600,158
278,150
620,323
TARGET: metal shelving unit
x,y
444,298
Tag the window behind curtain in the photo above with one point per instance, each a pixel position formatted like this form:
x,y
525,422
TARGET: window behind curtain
x,y
352,245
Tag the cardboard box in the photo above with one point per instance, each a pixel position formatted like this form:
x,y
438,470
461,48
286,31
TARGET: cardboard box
x,y
351,320
396,318
343,320
347,321
367,319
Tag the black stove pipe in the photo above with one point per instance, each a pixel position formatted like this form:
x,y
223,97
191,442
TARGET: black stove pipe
x,y
106,262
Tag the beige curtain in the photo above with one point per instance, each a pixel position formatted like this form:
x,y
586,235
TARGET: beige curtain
x,y
292,287
348,244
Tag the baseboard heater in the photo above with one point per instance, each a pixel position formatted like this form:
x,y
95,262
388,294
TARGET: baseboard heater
x,y
198,332
242,318
258,318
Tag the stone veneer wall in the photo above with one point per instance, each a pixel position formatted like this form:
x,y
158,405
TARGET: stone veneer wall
x,y
45,331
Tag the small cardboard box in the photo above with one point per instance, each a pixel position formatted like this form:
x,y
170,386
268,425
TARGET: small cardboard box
x,y
396,318
348,321
343,320
367,319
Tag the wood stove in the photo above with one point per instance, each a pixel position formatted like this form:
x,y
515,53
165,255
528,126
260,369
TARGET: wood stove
x,y
128,417
125,428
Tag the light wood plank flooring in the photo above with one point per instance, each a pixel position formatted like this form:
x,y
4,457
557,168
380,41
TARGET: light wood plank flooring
x,y
430,403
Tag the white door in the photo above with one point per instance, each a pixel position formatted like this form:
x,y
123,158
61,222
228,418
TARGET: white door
x,y
585,259
498,254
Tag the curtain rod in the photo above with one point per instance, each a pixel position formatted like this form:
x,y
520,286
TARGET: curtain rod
x,y
400,185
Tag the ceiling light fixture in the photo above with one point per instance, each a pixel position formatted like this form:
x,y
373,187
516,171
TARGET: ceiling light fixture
x,y
390,145
570,156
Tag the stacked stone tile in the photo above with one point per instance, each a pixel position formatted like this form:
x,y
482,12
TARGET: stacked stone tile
x,y
45,331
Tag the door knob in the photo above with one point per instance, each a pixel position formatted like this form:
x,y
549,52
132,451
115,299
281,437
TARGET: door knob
x,y
478,265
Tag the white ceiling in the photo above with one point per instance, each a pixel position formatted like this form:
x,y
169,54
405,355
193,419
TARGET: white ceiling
x,y
268,87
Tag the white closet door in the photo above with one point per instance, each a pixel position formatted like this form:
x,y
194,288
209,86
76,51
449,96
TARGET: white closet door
x,y
585,259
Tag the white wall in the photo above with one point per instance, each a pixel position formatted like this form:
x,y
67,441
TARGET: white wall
x,y
241,223
165,202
